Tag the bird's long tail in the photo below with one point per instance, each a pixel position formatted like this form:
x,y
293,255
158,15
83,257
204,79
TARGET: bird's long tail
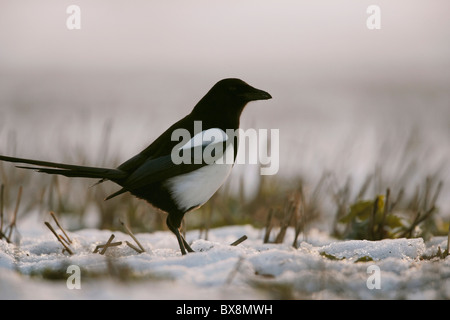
x,y
69,170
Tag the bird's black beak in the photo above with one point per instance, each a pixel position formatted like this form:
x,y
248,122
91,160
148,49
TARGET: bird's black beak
x,y
255,94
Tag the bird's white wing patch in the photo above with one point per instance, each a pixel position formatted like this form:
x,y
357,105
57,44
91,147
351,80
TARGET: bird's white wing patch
x,y
193,189
206,137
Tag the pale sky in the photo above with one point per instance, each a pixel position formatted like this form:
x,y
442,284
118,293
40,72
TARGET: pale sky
x,y
339,89
282,38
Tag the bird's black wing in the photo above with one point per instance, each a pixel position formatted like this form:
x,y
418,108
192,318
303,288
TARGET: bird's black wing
x,y
162,168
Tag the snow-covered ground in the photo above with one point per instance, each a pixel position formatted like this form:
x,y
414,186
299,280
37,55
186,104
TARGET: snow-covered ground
x,y
321,267
347,100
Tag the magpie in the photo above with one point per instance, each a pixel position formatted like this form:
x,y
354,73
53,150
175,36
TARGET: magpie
x,y
176,187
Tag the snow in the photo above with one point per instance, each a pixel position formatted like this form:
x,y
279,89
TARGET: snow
x,y
320,268
376,250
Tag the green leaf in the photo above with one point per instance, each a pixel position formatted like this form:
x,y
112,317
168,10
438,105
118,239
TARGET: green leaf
x,y
363,209
364,259
393,221
330,256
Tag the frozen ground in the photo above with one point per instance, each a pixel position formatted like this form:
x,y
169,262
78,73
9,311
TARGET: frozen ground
x,y
321,268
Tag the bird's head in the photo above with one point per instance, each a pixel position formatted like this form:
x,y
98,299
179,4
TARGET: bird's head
x,y
228,97
239,91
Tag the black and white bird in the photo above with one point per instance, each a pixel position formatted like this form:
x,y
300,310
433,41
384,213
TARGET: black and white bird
x,y
173,186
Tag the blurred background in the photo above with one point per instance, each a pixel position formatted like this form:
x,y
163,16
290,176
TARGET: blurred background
x,y
349,102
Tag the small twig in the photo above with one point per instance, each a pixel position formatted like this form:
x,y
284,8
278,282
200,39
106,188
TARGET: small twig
x,y
417,220
372,219
2,235
59,239
132,246
413,225
108,243
59,226
448,240
298,216
132,236
64,239
426,215
288,212
12,225
102,246
268,226
239,241
385,213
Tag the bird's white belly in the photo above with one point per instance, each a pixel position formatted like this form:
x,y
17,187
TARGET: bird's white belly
x,y
195,188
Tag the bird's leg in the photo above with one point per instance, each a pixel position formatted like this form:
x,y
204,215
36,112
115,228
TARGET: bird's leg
x,y
187,246
181,241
